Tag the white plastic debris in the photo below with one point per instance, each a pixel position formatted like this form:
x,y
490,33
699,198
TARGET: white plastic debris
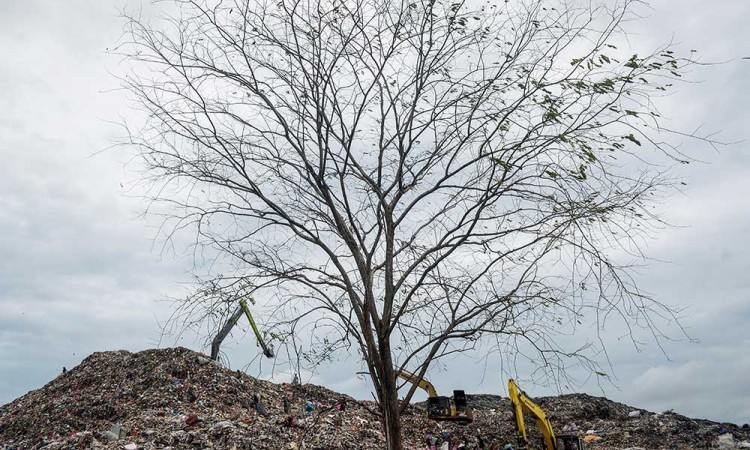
x,y
222,425
634,414
725,441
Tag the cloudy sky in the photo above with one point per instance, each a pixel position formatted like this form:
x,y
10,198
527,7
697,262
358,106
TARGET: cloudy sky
x,y
80,271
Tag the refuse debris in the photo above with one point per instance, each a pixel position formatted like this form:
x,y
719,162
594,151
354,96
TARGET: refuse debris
x,y
178,399
192,420
634,414
725,441
589,438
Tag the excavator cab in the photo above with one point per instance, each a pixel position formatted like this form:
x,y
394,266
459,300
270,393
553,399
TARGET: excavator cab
x,y
440,407
569,442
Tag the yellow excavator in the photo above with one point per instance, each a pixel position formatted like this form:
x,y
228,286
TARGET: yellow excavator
x,y
440,407
523,403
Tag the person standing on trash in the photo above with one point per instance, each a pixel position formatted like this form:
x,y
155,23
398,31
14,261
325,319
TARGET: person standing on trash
x,y
309,408
287,403
457,443
431,440
445,444
259,408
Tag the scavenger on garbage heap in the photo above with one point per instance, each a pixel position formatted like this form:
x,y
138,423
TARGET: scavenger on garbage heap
x,y
287,403
259,407
309,408
445,441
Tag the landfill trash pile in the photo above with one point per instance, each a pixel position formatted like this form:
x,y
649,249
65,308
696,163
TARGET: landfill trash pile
x,y
177,399
603,424
180,399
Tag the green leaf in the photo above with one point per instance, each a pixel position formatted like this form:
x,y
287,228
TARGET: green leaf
x,y
632,138
633,62
504,164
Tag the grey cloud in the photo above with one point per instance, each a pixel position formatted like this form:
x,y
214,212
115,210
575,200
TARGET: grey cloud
x,y
715,384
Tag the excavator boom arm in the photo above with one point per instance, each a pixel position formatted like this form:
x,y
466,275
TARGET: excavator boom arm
x,y
523,403
421,382
222,334
267,350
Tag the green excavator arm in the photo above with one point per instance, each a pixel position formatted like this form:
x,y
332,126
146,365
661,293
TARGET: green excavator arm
x,y
233,319
267,349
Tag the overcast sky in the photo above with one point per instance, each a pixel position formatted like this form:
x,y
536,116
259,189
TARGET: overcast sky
x,y
79,271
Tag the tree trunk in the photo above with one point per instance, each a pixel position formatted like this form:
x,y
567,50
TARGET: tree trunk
x,y
389,397
391,412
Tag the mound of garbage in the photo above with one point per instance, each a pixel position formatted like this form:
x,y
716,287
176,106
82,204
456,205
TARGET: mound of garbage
x,y
175,399
605,424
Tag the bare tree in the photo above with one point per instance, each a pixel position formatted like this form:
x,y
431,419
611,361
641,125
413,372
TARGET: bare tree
x,y
409,177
